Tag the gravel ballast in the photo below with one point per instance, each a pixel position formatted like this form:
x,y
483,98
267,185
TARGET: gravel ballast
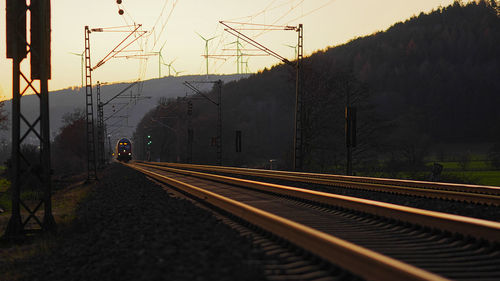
x,y
130,229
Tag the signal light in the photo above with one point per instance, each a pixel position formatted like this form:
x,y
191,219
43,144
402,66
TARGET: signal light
x,y
118,2
120,12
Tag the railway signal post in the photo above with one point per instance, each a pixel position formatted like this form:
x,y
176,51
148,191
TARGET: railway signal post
x,y
148,147
218,103
30,174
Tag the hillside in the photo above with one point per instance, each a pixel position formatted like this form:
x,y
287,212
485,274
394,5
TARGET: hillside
x,y
67,100
419,86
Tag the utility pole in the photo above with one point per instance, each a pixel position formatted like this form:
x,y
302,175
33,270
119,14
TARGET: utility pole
x,y
218,103
89,112
89,104
110,147
26,171
298,146
350,129
190,133
298,159
100,129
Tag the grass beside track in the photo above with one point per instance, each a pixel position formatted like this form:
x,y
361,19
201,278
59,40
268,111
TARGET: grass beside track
x,y
5,200
130,229
491,178
13,257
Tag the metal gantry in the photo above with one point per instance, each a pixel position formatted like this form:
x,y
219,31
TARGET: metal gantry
x,y
27,172
298,147
218,103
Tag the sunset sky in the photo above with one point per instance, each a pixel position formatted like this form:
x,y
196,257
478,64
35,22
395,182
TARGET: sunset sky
x,y
176,24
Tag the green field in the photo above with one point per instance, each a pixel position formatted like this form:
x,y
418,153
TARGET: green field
x,y
484,177
471,166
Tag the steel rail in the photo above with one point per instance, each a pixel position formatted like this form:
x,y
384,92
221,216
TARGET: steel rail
x,y
359,260
467,226
489,195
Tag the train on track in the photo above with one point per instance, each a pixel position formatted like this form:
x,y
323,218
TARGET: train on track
x,y
123,150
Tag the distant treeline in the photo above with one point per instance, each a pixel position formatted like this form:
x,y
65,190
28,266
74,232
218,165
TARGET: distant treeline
x,y
424,83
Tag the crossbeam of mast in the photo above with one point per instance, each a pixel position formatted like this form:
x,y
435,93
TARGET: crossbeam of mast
x,y
298,147
114,52
254,43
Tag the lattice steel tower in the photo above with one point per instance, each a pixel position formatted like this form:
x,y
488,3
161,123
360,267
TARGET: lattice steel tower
x,y
89,112
30,173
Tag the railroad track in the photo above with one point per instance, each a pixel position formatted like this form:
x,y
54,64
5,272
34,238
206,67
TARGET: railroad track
x,y
488,195
375,240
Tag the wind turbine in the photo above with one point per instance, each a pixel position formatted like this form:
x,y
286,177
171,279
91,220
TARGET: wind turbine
x,y
206,48
239,59
169,65
81,62
293,47
246,65
176,72
160,59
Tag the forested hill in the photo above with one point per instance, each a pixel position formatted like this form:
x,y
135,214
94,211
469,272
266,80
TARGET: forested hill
x,y
427,82
441,68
